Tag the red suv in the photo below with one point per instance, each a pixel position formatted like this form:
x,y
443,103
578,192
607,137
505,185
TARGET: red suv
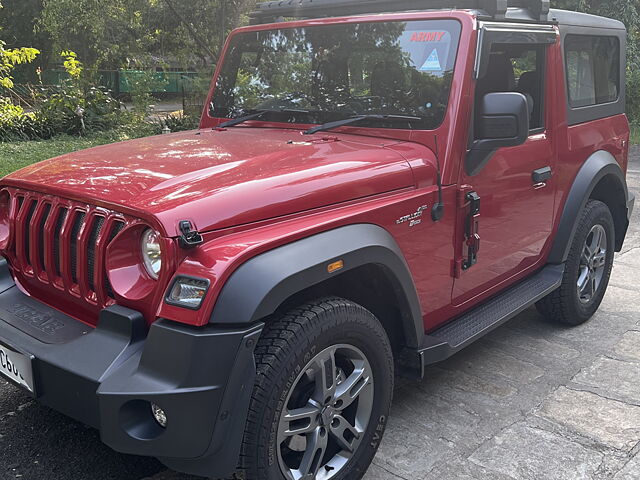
x,y
367,194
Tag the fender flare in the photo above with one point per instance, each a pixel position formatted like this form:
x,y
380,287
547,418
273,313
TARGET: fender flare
x,y
598,166
260,285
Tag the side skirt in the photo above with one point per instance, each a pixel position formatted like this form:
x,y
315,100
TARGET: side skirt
x,y
475,324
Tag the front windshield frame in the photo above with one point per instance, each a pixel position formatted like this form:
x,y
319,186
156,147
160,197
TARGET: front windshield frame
x,y
420,30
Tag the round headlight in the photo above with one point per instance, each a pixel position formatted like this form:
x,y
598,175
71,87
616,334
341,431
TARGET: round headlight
x,y
152,253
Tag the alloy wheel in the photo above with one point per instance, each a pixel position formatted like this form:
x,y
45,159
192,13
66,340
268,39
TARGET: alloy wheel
x,y
592,264
326,414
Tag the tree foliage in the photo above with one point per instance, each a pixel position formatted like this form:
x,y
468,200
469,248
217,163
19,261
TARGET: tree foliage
x,y
10,58
134,33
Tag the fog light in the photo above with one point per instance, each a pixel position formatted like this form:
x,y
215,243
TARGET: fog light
x,y
159,415
188,292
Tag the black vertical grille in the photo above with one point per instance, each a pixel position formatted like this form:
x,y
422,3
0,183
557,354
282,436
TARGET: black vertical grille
x,y
96,228
62,216
77,224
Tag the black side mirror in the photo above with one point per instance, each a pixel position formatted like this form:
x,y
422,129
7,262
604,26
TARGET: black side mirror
x,y
503,122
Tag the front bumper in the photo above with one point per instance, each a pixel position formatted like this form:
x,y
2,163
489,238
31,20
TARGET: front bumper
x,y
107,377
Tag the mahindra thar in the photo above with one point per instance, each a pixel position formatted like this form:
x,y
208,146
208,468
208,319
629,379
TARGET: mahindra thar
x,y
374,186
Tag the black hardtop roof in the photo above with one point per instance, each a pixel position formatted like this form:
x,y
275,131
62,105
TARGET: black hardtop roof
x,y
530,11
577,19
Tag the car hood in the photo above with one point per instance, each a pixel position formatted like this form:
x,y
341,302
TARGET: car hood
x,y
219,179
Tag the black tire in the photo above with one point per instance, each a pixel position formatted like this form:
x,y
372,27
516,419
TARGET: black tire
x,y
283,354
565,305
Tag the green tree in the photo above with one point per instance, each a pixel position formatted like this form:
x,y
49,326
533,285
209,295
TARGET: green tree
x,y
103,33
10,58
135,33
18,24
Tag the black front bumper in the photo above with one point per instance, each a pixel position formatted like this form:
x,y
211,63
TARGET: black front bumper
x,y
107,377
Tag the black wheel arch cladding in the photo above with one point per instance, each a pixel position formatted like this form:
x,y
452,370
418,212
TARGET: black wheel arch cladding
x,y
600,169
262,284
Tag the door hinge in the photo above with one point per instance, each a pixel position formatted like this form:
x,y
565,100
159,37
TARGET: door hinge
x,y
469,209
190,238
472,230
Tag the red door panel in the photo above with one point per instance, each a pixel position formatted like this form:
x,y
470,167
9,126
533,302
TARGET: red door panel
x,y
516,217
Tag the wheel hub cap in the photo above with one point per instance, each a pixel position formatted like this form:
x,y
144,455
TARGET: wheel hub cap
x,y
328,414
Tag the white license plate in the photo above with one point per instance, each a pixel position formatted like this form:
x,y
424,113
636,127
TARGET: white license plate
x,y
16,367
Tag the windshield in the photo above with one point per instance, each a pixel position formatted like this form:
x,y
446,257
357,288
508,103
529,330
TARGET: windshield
x,y
331,72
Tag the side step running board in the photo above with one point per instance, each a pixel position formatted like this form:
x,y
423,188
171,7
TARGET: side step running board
x,y
473,325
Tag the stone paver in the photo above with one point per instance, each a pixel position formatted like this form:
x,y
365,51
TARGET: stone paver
x,y
631,471
629,346
525,452
612,423
613,378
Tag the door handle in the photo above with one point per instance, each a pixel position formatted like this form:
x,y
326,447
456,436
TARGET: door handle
x,y
541,175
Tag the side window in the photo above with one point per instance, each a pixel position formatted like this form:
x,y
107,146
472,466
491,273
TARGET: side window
x,y
517,68
593,70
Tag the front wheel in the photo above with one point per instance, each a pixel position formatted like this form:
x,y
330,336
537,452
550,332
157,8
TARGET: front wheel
x,y
587,271
322,395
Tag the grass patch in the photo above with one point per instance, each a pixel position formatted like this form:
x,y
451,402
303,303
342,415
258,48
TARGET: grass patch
x,y
15,155
635,134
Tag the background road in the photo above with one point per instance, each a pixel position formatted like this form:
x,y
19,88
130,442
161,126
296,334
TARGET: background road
x,y
530,401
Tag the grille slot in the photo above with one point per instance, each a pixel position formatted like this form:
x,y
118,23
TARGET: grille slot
x,y
43,220
27,231
62,216
115,230
77,225
96,228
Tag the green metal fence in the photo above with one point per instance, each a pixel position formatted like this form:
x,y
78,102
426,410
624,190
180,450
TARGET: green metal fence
x,y
121,81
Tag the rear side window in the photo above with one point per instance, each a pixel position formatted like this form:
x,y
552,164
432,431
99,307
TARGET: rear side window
x,y
593,70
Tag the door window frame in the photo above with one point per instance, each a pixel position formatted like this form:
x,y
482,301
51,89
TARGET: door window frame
x,y
490,33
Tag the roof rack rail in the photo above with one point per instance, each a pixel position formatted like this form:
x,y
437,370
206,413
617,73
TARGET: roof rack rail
x,y
496,9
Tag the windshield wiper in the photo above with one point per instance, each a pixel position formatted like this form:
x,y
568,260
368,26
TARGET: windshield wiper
x,y
350,120
258,114
245,118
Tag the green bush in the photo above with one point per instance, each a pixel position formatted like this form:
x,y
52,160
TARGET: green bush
x,y
76,111
72,111
633,96
15,123
142,84
180,123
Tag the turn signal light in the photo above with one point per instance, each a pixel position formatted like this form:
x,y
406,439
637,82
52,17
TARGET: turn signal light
x,y
188,292
335,266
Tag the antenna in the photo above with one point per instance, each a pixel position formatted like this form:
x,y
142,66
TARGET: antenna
x,y
437,212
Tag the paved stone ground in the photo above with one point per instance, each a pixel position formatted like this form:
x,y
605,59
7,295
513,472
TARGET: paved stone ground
x,y
530,401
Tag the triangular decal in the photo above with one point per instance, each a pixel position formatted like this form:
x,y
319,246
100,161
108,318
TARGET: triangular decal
x,y
433,63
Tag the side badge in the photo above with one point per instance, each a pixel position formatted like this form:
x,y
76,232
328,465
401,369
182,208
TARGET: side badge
x,y
413,219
